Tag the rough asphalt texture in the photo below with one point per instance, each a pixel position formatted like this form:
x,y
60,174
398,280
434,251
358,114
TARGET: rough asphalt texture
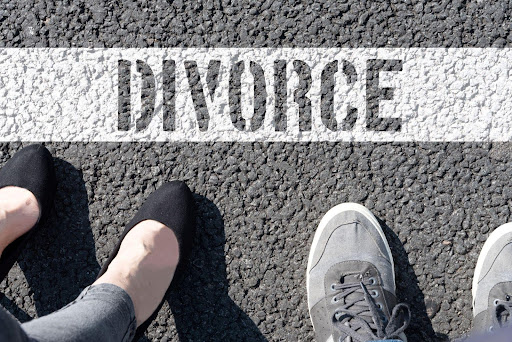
x,y
259,203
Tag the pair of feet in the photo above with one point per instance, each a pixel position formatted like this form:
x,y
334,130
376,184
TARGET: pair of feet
x,y
351,280
148,253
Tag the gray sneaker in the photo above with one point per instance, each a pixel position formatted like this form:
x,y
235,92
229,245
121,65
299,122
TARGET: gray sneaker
x,y
351,279
492,282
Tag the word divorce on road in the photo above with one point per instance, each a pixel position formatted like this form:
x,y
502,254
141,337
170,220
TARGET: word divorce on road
x,y
250,115
243,94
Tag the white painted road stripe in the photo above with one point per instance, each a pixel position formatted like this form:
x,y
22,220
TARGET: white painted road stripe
x,y
433,94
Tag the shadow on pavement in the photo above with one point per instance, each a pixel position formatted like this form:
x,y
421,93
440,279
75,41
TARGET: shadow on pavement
x,y
408,291
199,300
60,260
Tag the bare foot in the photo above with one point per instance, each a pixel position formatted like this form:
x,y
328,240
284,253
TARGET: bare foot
x,y
19,211
144,266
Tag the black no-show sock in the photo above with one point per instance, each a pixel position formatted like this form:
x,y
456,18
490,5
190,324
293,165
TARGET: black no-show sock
x,y
30,168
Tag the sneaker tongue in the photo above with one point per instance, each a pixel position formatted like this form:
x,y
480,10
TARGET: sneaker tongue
x,y
504,315
360,306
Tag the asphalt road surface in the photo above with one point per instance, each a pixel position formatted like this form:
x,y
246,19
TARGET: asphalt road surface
x,y
260,203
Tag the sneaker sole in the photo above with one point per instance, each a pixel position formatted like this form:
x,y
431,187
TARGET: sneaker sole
x,y
332,213
495,236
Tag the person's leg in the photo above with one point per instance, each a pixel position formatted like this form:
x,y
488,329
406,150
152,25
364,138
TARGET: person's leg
x,y
10,328
121,299
492,282
351,281
27,190
158,237
101,312
502,335
144,266
19,212
492,289
104,312
124,297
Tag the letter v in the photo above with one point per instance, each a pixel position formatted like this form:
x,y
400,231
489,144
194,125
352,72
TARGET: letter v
x,y
197,92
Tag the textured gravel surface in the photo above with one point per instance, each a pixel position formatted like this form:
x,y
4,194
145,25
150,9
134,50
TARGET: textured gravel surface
x,y
259,204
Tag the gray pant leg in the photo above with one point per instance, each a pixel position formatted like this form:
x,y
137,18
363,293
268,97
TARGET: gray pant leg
x,y
101,313
501,335
10,328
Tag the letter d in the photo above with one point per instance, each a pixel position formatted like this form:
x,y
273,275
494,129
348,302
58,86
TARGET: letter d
x,y
148,93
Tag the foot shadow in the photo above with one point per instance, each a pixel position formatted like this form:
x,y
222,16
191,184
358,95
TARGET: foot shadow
x,y
199,300
60,260
408,291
